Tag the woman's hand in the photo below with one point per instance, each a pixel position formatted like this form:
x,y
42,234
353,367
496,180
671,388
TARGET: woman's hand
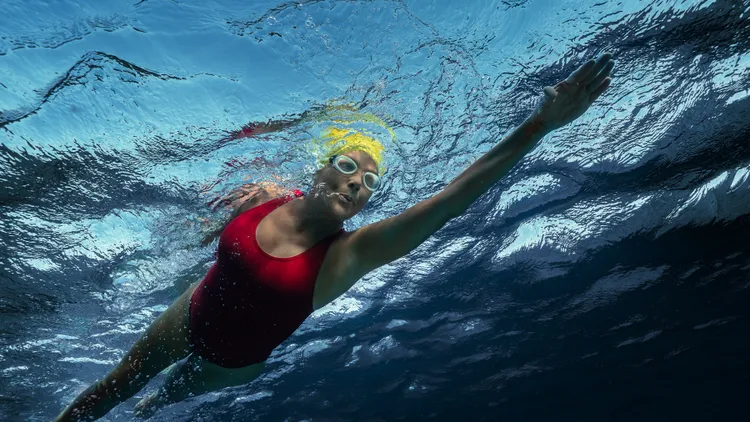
x,y
234,198
570,98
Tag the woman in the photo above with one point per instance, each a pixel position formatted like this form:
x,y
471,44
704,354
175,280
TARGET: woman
x,y
280,258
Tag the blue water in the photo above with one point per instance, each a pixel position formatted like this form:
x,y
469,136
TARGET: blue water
x,y
606,278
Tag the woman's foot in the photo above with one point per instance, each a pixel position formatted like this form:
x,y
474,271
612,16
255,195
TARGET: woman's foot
x,y
149,405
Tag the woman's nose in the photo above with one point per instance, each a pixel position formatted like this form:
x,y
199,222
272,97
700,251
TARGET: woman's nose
x,y
354,184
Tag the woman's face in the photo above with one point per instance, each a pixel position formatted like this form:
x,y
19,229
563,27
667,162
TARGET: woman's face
x,y
344,194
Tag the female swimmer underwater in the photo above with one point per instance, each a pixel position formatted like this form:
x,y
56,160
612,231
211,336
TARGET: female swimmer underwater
x,y
280,258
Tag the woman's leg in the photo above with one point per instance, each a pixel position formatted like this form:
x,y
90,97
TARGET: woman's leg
x,y
194,377
164,342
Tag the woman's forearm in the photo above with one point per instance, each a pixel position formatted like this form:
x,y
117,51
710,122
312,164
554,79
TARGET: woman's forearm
x,y
492,166
385,241
562,104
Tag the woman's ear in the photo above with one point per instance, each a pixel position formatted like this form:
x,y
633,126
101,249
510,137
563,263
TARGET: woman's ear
x,y
317,174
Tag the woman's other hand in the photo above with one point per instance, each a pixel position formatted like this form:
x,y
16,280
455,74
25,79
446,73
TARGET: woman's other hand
x,y
235,198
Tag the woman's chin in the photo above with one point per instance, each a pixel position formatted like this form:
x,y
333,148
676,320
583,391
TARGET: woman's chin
x,y
336,208
342,212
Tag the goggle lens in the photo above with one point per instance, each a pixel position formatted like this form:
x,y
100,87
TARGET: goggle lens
x,y
371,181
346,165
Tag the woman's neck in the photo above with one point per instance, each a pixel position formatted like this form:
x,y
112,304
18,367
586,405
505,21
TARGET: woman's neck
x,y
311,218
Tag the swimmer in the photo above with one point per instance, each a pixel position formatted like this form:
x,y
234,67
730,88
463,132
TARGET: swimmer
x,y
282,257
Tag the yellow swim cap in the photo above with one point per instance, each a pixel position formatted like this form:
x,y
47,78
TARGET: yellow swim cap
x,y
347,129
337,141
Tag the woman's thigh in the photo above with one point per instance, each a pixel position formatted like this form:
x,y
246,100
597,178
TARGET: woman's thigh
x,y
165,341
171,330
214,377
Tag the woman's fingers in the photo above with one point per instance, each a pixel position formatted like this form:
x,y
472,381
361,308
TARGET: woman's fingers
x,y
590,75
550,92
598,91
567,100
589,70
580,73
600,64
599,78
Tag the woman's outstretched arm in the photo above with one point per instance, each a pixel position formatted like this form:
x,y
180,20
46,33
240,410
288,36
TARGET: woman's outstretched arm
x,y
258,128
385,241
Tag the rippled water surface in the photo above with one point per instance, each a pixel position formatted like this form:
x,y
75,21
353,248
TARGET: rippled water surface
x,y
606,278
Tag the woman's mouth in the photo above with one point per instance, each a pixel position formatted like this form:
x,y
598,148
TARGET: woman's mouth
x,y
346,197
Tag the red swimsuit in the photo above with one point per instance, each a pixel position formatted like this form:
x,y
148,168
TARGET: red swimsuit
x,y
250,302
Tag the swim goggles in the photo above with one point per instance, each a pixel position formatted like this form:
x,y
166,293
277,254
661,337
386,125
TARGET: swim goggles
x,y
347,165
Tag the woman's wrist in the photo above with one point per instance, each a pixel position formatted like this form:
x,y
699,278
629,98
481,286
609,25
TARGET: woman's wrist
x,y
535,127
